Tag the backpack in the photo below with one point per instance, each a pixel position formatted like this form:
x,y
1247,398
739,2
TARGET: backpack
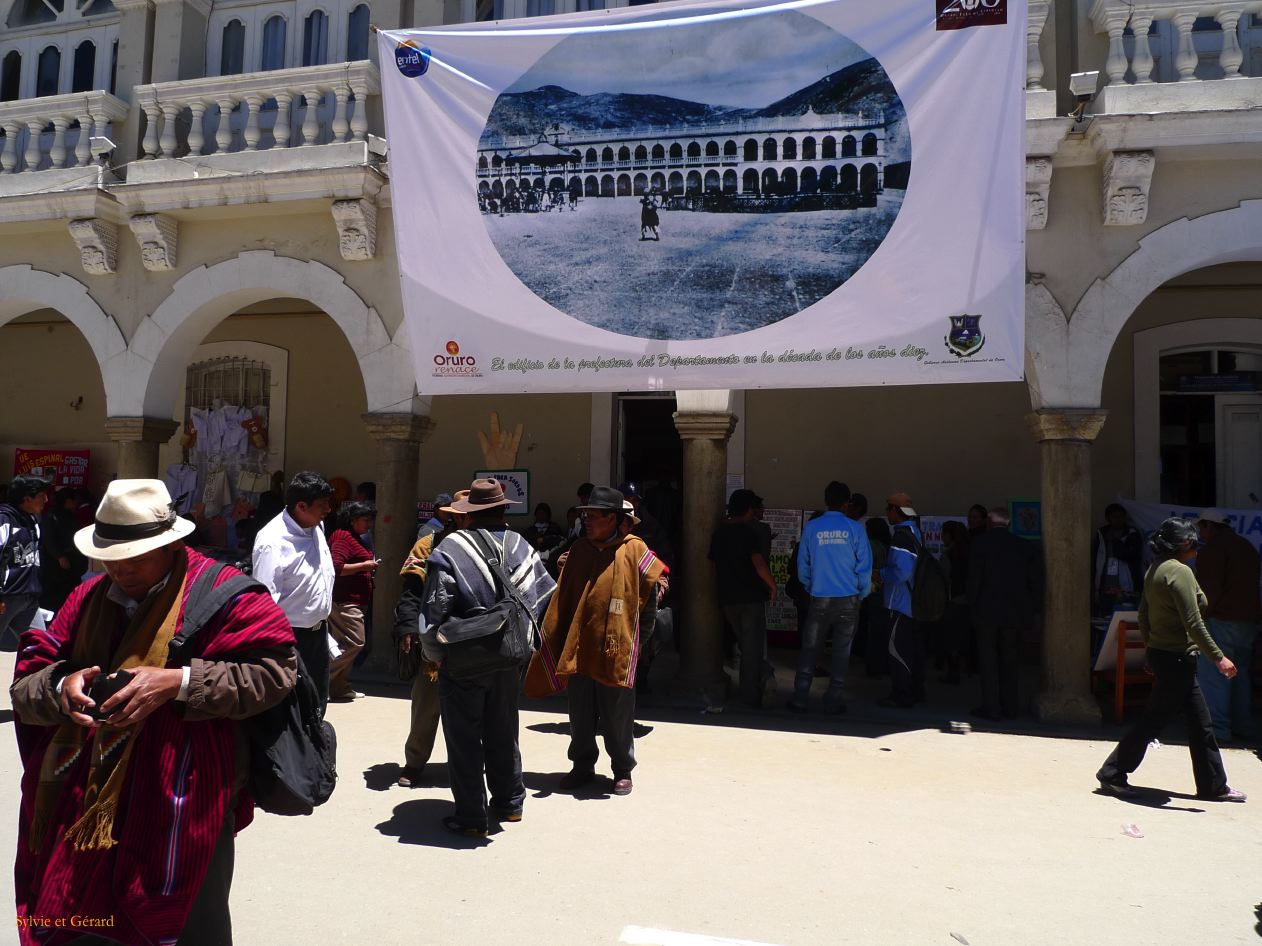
x,y
502,637
293,751
930,587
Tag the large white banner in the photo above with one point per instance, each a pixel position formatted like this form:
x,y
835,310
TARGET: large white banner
x,y
1148,517
712,195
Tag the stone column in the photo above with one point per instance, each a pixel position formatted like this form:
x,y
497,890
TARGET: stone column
x,y
1065,436
705,435
399,438
135,58
138,440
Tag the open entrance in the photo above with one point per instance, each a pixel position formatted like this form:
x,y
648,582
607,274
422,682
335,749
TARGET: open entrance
x,y
650,454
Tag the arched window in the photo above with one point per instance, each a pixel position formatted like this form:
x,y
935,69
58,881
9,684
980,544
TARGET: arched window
x,y
769,149
590,156
606,155
676,151
869,144
30,12
84,76
11,76
659,153
808,149
694,150
496,161
848,146
641,153
315,39
624,153
711,149
751,150
790,151
48,71
729,150
273,44
482,162
232,54
114,68
357,33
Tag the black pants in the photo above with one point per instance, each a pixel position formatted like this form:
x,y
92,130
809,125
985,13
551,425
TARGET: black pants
x,y
479,717
312,644
907,664
999,663
209,921
610,711
1174,691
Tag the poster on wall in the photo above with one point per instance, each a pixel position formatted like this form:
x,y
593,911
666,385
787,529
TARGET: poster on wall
x,y
712,193
786,529
1147,518
63,467
931,529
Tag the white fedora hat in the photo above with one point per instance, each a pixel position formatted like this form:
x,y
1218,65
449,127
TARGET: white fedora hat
x,y
135,517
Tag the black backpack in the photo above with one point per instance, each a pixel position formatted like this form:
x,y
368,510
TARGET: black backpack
x,y
293,751
930,587
500,638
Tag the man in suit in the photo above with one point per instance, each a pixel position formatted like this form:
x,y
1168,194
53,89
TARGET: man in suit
x,y
1004,587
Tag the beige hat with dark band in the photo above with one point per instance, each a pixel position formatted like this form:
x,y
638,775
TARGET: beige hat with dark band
x,y
135,517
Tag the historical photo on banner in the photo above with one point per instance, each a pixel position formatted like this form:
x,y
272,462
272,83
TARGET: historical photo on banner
x,y
704,195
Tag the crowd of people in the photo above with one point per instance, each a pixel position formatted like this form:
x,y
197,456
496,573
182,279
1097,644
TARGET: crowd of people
x,y
119,713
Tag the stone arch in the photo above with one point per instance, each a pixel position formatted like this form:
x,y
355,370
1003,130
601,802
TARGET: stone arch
x,y
204,297
1224,236
24,289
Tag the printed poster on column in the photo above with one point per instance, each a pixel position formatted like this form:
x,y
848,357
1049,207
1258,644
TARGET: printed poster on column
x,y
786,529
708,194
63,467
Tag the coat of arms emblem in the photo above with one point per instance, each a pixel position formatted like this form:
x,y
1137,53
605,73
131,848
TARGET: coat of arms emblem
x,y
965,338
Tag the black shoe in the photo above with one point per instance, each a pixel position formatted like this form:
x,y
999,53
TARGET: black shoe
x,y
1122,789
456,826
509,815
794,707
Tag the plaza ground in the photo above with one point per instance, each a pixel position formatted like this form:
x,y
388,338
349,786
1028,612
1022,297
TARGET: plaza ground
x,y
710,275
876,828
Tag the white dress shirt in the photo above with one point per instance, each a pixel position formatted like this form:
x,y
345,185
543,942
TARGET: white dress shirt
x,y
295,565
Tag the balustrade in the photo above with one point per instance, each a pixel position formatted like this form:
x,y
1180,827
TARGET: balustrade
x,y
54,131
285,108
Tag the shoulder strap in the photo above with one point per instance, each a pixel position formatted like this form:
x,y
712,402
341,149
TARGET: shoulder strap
x,y
205,600
503,581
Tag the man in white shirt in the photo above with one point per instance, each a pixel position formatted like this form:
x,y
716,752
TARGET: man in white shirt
x,y
292,559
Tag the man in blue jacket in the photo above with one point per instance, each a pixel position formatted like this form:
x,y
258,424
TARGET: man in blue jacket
x,y
19,557
907,670
835,567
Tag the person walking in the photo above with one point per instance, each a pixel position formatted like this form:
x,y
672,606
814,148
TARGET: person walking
x,y
744,585
425,712
835,568
591,639
1227,568
907,669
130,803
1004,580
292,560
350,621
1171,621
19,556
477,686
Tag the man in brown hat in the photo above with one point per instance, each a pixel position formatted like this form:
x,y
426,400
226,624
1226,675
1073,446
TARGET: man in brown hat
x,y
592,636
130,801
479,566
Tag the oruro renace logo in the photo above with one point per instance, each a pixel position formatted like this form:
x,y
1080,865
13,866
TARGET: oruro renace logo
x,y
452,364
965,338
412,60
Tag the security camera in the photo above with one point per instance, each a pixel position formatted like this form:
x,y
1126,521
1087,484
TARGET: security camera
x,y
100,146
378,146
1082,85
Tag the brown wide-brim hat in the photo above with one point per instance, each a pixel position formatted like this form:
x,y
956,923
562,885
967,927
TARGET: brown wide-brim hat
x,y
482,495
135,517
451,501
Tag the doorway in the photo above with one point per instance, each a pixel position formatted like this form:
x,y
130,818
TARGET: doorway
x,y
649,453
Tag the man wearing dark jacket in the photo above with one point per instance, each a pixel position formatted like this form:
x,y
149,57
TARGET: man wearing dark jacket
x,y
1004,581
19,557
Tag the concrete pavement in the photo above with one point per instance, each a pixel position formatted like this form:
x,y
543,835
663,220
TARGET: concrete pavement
x,y
880,830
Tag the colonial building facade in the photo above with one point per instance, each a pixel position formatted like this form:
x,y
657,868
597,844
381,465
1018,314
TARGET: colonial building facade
x,y
188,190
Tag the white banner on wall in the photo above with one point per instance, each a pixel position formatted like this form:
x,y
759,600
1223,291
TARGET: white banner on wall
x,y
1147,518
712,195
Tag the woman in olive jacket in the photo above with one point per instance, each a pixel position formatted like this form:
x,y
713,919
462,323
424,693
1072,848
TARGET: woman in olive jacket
x,y
1173,628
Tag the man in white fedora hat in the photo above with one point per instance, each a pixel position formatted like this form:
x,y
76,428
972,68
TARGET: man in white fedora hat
x,y
130,800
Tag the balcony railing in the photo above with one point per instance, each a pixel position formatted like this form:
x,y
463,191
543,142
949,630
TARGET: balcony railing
x,y
54,131
258,111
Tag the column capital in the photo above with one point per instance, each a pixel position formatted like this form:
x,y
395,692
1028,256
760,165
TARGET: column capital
x,y
1066,423
413,428
140,429
704,425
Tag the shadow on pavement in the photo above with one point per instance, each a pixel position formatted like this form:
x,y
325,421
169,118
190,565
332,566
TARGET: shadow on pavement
x,y
385,775
544,785
1156,798
420,822
563,729
6,716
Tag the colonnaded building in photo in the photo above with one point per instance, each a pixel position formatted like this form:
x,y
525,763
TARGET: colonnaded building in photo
x,y
782,155
195,216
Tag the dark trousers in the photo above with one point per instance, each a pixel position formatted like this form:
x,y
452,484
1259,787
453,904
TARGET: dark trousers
x,y
834,619
312,644
479,717
876,619
907,664
749,623
610,711
19,611
999,663
209,921
1174,691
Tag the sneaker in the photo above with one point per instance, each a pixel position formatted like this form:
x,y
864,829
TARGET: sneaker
x,y
1230,795
576,777
1122,789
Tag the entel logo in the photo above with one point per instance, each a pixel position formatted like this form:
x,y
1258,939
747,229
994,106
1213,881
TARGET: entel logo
x,y
412,60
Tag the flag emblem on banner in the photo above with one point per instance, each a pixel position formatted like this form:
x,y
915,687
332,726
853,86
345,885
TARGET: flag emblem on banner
x,y
412,60
965,337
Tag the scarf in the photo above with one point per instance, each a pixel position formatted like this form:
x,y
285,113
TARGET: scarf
x,y
144,643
